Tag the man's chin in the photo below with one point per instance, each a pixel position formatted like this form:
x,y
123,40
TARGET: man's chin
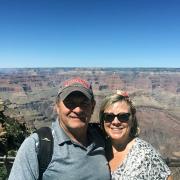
x,y
78,123
80,120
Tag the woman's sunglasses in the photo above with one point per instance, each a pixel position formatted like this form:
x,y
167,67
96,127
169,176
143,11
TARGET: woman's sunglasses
x,y
122,117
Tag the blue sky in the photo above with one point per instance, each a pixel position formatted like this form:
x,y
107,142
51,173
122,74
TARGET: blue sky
x,y
89,33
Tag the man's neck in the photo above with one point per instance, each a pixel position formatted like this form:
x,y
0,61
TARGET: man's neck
x,y
77,135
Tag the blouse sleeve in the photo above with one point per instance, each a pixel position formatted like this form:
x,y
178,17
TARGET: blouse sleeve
x,y
158,169
143,162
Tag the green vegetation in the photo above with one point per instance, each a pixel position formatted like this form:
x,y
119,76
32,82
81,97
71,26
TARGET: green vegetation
x,y
12,134
3,172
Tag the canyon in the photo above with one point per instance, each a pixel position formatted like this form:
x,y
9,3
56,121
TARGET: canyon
x,y
154,91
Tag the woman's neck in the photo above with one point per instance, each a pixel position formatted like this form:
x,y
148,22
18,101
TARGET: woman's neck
x,y
118,146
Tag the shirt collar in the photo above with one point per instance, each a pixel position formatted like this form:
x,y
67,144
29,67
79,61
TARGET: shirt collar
x,y
60,135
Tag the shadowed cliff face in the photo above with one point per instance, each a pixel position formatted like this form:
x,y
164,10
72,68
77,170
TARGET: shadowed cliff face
x,y
155,92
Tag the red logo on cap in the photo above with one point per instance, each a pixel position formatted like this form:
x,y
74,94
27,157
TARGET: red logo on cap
x,y
77,80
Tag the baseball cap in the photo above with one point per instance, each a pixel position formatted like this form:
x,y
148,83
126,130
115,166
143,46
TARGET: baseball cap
x,y
75,84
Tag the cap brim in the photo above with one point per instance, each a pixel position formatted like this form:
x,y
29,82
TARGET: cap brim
x,y
69,90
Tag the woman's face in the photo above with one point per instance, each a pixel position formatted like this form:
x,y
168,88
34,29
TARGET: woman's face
x,y
118,127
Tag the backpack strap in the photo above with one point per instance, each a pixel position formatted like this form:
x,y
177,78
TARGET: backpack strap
x,y
45,149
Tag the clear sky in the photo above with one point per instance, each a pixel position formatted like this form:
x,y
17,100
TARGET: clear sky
x,y
90,33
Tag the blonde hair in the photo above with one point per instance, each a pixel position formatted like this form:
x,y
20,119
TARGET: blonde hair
x,y
113,98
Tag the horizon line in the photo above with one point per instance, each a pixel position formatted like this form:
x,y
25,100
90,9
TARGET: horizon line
x,y
91,67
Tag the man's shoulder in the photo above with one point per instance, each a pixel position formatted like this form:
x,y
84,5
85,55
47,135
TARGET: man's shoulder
x,y
95,127
25,164
31,139
96,132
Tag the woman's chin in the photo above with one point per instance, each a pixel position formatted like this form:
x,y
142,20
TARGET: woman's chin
x,y
116,136
120,137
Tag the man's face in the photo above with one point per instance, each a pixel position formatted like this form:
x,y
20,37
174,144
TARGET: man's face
x,y
75,111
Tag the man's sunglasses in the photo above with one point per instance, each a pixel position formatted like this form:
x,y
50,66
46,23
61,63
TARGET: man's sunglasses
x,y
122,117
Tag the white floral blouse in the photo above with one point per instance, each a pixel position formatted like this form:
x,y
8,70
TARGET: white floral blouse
x,y
143,162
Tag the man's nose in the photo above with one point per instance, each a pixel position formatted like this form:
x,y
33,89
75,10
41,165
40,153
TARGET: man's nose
x,y
77,108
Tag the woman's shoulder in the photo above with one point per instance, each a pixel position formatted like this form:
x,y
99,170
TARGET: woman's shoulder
x,y
143,162
151,157
140,143
145,149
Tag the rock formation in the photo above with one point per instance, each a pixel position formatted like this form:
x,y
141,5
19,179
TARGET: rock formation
x,y
155,92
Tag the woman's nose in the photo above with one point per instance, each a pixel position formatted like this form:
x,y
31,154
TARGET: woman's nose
x,y
115,121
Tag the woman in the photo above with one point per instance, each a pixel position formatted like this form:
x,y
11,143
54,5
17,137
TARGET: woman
x,y
130,158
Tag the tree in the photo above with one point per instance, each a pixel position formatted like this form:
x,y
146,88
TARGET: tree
x,y
12,134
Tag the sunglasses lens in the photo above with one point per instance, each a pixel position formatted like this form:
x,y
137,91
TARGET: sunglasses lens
x,y
108,117
123,117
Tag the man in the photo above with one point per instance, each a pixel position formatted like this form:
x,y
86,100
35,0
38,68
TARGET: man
x,y
78,152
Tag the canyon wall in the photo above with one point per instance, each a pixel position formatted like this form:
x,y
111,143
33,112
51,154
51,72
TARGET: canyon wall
x,y
155,92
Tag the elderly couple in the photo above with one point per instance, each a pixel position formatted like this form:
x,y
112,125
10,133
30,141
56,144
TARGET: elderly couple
x,y
81,153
